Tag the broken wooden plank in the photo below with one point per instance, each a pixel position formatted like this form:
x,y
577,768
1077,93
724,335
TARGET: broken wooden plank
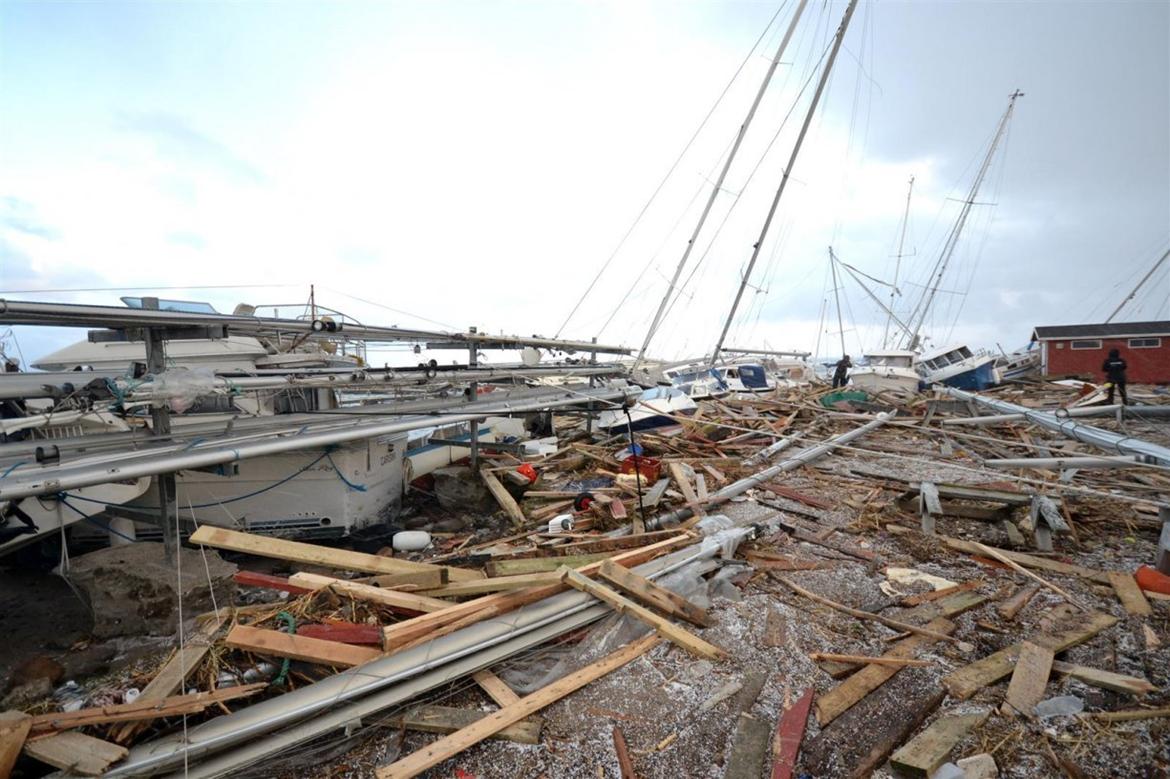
x,y
139,710
395,599
799,497
654,495
1130,594
420,580
652,595
602,544
775,628
749,748
995,553
494,686
314,554
14,727
267,581
841,698
76,752
679,473
492,584
1131,715
625,762
1029,678
503,497
667,629
898,662
312,650
362,634
1018,600
449,719
1106,680
968,680
926,597
523,565
448,746
789,733
926,752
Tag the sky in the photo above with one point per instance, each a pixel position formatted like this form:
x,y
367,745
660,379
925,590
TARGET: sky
x,y
538,167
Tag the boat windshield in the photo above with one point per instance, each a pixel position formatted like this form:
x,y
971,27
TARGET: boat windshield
x,y
185,306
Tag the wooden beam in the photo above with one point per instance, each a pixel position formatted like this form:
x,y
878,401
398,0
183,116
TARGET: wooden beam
x,y
492,584
406,601
684,484
312,650
1018,600
897,662
841,698
1131,715
14,727
667,629
1029,678
360,633
789,733
1106,680
414,764
419,580
494,686
139,710
314,554
625,762
504,498
968,680
1130,594
267,581
524,565
76,752
998,555
602,544
652,595
926,752
448,719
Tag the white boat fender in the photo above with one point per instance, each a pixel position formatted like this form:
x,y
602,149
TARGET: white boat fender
x,y
562,523
411,541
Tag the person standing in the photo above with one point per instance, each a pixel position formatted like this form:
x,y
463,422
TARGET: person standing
x,y
1114,368
841,372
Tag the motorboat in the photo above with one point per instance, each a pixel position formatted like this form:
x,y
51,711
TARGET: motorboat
x,y
886,371
959,367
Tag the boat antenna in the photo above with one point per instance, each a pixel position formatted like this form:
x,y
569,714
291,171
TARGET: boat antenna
x,y
1140,284
940,267
718,187
898,264
784,179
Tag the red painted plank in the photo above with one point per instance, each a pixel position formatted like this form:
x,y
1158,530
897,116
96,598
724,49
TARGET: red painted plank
x,y
345,632
254,579
789,734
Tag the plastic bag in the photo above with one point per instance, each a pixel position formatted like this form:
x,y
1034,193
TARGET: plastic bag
x,y
181,387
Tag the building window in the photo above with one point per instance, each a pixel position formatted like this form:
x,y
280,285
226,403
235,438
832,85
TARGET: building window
x,y
1092,344
1145,343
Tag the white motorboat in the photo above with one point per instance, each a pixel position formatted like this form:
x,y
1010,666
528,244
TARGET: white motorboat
x,y
658,407
887,371
959,367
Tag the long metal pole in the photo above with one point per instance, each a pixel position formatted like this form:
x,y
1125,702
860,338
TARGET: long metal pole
x,y
898,264
837,298
1140,284
784,179
715,190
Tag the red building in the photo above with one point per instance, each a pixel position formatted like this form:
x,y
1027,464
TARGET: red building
x,y
1080,349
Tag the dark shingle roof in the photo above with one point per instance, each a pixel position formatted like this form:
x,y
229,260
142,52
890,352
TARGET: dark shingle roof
x,y
1111,330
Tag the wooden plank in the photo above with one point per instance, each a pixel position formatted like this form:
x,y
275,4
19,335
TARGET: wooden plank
x,y
602,544
775,628
625,762
684,484
897,662
420,580
503,497
841,698
927,597
14,727
173,706
174,673
363,634
1021,569
1130,594
749,748
524,565
405,601
494,686
789,733
655,493
256,579
1028,561
1029,679
448,719
1106,680
799,497
652,595
1018,600
701,488
435,624
76,752
312,650
667,629
435,753
968,680
926,752
492,584
1131,715
314,554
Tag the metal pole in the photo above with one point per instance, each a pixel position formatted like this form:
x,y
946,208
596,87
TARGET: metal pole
x,y
1140,284
837,297
592,383
898,264
784,180
160,417
472,394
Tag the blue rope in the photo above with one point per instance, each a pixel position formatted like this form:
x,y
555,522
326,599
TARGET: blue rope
x,y
12,468
91,520
345,481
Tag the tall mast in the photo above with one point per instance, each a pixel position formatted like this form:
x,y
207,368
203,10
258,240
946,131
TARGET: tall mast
x,y
1140,284
719,182
837,297
898,264
784,180
952,241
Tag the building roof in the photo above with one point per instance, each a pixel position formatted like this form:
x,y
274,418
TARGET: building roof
x,y
1110,330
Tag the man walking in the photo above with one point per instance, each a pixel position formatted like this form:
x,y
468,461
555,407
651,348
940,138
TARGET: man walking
x,y
841,372
1114,368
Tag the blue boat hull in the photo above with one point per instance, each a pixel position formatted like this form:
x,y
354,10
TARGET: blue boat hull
x,y
974,380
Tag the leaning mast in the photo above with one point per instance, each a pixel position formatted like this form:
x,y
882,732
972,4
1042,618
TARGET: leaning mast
x,y
898,264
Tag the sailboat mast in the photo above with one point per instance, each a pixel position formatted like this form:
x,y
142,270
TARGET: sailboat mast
x,y
898,264
1140,284
837,297
953,239
719,182
784,179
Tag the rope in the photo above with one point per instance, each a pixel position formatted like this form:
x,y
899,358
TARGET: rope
x,y
291,622
108,528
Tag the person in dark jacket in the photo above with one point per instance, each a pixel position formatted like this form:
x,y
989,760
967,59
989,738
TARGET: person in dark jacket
x,y
1114,368
841,372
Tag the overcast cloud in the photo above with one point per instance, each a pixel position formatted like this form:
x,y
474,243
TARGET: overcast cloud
x,y
476,163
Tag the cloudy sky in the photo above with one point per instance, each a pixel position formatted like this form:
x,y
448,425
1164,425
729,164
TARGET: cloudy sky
x,y
478,163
